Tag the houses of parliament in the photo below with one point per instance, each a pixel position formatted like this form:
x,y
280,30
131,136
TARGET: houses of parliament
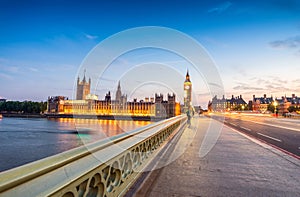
x,y
89,104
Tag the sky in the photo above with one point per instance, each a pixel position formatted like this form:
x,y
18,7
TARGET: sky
x,y
255,45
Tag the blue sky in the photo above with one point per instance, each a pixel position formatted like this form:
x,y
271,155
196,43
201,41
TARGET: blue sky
x,y
255,44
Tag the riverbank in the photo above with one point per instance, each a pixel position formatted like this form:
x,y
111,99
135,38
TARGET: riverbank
x,y
22,115
83,116
106,117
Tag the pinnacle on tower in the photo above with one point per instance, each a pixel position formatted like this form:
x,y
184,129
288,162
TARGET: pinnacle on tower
x,y
119,92
119,86
84,76
187,77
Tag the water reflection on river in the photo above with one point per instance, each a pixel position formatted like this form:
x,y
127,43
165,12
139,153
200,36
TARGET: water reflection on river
x,y
24,140
90,130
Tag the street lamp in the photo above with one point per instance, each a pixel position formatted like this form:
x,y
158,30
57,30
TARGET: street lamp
x,y
275,105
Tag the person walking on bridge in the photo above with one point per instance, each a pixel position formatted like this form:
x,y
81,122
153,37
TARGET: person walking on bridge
x,y
188,114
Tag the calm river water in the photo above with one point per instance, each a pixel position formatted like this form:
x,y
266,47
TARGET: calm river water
x,y
25,140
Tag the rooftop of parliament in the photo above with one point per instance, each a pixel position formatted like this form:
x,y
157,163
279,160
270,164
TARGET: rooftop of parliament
x,y
87,104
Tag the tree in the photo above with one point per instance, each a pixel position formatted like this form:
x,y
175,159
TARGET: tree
x,y
271,108
294,108
23,107
43,106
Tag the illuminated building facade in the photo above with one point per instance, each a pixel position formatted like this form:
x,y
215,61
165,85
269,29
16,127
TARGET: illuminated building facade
x,y
150,107
223,104
285,103
187,86
55,104
260,104
217,105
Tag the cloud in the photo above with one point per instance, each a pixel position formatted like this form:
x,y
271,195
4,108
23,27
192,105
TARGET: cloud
x,y
220,8
241,83
90,37
289,43
269,84
261,81
241,71
269,79
245,87
216,85
10,69
276,81
273,81
33,69
4,60
280,88
5,76
296,81
203,94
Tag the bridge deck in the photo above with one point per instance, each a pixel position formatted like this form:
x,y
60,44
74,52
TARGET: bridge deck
x,y
236,166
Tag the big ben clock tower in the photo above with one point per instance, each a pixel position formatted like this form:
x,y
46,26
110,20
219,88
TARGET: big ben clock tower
x,y
187,92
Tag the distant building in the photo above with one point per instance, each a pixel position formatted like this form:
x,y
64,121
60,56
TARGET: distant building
x,y
198,109
217,105
286,102
166,108
2,100
236,103
260,104
55,104
91,97
83,88
250,105
88,104
223,104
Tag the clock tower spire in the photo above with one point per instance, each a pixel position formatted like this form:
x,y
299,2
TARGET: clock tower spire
x,y
187,86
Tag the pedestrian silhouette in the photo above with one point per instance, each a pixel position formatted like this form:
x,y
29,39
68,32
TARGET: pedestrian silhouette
x,y
188,114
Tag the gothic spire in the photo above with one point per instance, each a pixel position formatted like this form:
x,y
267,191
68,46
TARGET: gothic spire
x,y
118,93
119,86
84,76
187,77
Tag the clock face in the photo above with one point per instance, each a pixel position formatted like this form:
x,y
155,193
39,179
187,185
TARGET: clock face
x,y
187,87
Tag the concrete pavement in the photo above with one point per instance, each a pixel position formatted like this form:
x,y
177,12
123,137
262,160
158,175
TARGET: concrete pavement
x,y
236,166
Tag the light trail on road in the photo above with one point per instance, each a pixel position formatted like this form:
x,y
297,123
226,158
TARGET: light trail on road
x,y
285,136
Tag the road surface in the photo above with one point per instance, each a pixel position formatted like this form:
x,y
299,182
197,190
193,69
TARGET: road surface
x,y
237,165
280,132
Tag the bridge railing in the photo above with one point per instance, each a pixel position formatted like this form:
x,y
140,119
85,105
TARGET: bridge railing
x,y
104,168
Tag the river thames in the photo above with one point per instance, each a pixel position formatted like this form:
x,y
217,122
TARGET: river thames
x,y
25,140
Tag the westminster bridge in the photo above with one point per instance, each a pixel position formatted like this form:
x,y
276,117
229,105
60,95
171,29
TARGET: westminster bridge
x,y
161,159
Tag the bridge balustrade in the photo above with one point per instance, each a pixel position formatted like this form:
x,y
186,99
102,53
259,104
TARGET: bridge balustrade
x,y
104,168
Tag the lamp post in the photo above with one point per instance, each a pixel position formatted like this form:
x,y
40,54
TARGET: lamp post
x,y
275,105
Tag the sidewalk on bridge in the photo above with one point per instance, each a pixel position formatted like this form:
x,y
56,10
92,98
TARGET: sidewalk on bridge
x,y
235,166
